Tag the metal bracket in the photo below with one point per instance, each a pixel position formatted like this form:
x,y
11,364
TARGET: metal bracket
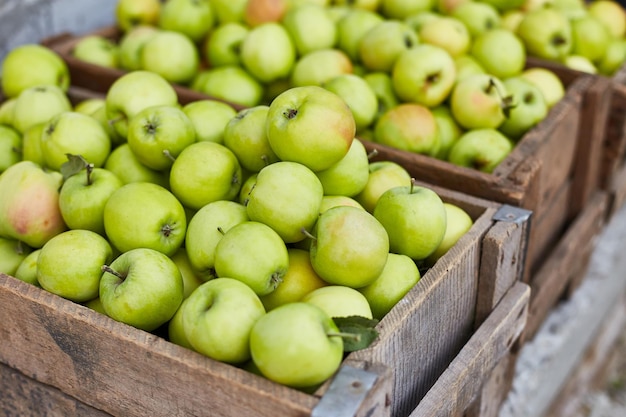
x,y
511,214
346,393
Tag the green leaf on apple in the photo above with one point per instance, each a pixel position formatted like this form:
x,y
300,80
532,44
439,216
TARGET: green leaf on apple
x,y
357,332
74,164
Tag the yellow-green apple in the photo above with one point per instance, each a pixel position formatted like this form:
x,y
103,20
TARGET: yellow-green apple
x,y
417,20
511,19
590,37
69,264
611,13
193,18
383,176
310,125
286,196
410,127
125,165
209,118
394,282
12,254
31,144
380,82
258,12
414,218
77,134
130,13
130,44
467,65
233,84
362,4
299,280
10,147
504,5
424,75
448,33
245,135
529,107
175,329
580,63
478,17
339,301
32,65
267,52
196,183
172,55
548,82
96,108
83,196
205,230
480,101
614,57
400,9
229,10
38,105
97,50
381,45
311,27
158,134
218,317
458,223
349,176
352,27
89,105
297,345
350,247
446,7
142,288
191,277
133,92
29,207
573,9
510,59
481,149
144,215
95,305
358,95
6,111
27,269
246,187
546,33
448,128
223,42
329,201
319,66
253,253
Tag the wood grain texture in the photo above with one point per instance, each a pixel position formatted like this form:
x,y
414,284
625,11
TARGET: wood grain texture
x,y
495,390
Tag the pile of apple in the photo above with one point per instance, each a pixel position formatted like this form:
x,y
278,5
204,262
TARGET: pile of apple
x,y
251,237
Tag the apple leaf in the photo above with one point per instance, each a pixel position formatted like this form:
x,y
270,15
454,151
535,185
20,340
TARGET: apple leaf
x,y
357,332
74,164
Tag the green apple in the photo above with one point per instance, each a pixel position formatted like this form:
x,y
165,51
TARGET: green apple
x,y
310,125
400,9
414,218
229,10
83,196
611,13
77,134
394,282
37,105
297,345
134,92
358,95
209,118
480,149
458,223
223,43
144,215
410,127
6,111
125,165
191,277
546,33
89,106
614,57
286,196
69,264
158,134
590,37
352,27
32,65
29,207
311,27
448,33
196,183
258,12
330,201
12,254
424,75
480,101
299,280
27,269
254,254
467,65
245,135
193,18
504,5
419,19
233,84
529,108
548,82
10,147
339,301
97,50
246,187
142,288
349,176
383,176
98,112
478,17
510,58
319,66
131,13
218,317
511,19
350,247
267,52
380,82
130,44
381,45
31,144
172,55
580,63
175,328
448,128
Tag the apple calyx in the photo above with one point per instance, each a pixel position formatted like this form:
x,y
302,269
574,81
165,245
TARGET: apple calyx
x,y
290,113
107,268
75,164
276,278
166,230
408,42
432,79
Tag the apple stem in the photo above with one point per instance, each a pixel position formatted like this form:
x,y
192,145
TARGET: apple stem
x,y
413,183
115,120
307,234
169,155
107,268
89,170
20,248
345,335
265,159
506,102
372,154
219,229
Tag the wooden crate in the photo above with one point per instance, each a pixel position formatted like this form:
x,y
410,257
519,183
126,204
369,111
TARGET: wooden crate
x,y
614,174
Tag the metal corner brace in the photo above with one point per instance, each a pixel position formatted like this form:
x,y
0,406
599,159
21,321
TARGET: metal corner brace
x,y
346,393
